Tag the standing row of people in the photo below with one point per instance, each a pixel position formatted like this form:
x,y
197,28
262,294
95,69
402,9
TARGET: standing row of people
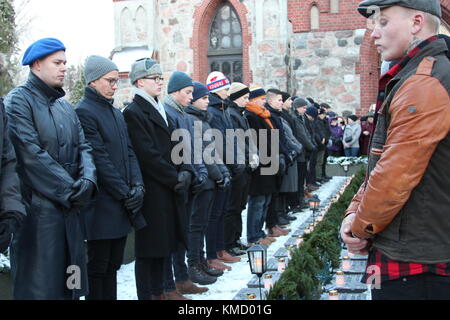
x,y
92,173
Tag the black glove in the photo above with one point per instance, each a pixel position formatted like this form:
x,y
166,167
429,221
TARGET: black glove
x,y
282,166
238,169
184,182
9,224
200,184
135,199
225,184
83,191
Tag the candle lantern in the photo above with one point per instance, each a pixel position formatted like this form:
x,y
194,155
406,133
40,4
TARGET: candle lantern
x,y
340,278
257,257
314,203
333,295
281,265
268,283
346,263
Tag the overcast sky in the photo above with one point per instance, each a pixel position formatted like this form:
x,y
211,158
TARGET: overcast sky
x,y
84,26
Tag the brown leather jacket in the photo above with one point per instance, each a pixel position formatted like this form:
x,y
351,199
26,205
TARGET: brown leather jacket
x,y
405,204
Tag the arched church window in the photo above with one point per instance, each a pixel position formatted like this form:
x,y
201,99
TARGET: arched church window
x,y
315,18
225,44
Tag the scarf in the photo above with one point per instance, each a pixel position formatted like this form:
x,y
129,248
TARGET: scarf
x,y
154,102
170,101
260,112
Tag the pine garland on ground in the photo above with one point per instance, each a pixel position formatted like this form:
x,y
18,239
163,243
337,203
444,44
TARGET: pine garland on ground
x,y
312,264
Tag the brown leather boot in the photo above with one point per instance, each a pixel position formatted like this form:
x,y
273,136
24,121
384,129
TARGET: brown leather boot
x,y
216,264
265,242
160,297
226,257
284,231
174,295
188,287
274,232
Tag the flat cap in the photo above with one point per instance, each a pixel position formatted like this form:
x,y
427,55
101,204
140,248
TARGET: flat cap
x,y
41,49
368,7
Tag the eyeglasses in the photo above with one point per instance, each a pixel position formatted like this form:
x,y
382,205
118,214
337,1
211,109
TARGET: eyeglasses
x,y
112,82
157,79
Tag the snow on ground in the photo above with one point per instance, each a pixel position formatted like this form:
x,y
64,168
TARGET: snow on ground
x,y
227,286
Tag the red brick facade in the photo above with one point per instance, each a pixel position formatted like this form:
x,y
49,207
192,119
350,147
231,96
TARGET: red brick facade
x,y
203,16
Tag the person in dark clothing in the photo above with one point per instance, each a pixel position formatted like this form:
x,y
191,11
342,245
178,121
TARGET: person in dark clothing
x,y
310,116
13,211
58,179
151,139
276,209
180,88
218,178
323,127
218,86
108,219
367,131
239,96
262,186
336,148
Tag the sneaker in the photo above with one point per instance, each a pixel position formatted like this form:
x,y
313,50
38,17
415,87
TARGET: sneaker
x,y
197,275
224,256
188,287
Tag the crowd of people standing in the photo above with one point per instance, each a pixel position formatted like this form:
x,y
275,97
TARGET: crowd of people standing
x,y
90,174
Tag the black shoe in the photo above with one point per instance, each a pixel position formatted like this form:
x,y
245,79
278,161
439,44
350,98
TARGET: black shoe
x,y
242,246
282,221
210,271
315,184
290,218
236,252
198,275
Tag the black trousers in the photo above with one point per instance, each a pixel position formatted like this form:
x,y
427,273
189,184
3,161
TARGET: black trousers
x,y
149,273
312,163
198,225
426,286
236,204
104,259
295,199
274,211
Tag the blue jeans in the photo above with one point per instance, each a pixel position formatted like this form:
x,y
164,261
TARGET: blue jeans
x,y
256,215
351,152
215,231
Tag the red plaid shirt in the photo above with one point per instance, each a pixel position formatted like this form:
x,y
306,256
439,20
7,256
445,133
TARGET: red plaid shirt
x,y
390,269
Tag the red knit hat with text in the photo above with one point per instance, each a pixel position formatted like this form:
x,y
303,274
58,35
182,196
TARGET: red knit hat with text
x,y
217,82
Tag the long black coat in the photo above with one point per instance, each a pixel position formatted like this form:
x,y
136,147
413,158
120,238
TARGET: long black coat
x,y
152,144
117,167
10,197
261,184
52,153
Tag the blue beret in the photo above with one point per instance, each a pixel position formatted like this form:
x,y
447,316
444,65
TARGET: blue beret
x,y
41,49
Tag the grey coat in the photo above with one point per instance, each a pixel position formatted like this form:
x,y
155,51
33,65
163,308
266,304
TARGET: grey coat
x,y
52,154
290,179
352,130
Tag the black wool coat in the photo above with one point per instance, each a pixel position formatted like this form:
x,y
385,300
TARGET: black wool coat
x,y
261,184
162,210
117,167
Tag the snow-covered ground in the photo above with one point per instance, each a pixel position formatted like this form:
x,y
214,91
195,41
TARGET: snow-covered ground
x,y
228,285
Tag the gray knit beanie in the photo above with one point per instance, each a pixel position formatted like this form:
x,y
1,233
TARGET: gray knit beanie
x,y
96,67
179,80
